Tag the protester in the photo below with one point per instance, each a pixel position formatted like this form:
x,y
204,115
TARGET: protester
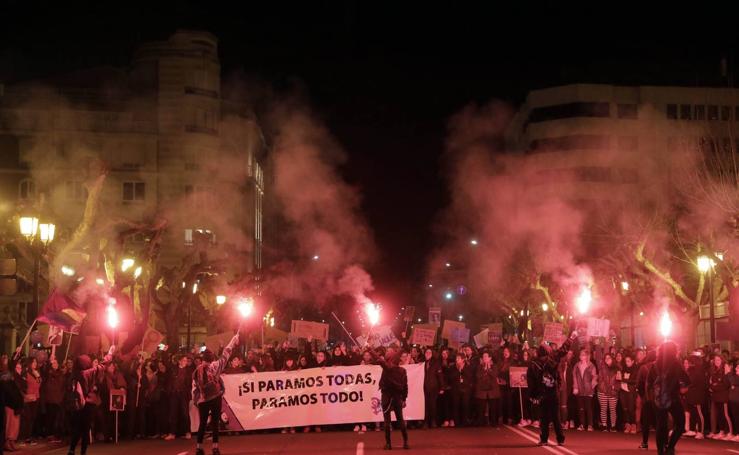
x,y
207,393
718,387
30,384
461,380
667,380
696,396
52,396
607,390
626,385
13,405
86,397
433,386
394,392
585,381
487,391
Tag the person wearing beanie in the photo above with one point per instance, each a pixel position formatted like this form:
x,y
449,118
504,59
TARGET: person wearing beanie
x,y
208,391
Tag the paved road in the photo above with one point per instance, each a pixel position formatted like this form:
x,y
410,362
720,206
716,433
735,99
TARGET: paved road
x,y
489,441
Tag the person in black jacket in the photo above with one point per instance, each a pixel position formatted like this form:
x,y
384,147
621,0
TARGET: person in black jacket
x,y
433,383
394,388
543,381
667,380
647,411
461,381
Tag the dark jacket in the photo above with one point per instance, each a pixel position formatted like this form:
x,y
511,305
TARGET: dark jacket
x,y
718,385
433,379
733,380
627,376
52,387
486,383
698,385
542,374
394,380
461,381
12,393
670,376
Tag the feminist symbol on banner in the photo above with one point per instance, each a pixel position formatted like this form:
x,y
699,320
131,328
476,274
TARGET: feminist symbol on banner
x,y
376,406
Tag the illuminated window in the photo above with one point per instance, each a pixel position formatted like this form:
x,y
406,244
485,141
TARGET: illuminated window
x,y
134,191
26,189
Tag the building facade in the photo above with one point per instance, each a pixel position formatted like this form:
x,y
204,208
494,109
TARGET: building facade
x,y
175,147
599,144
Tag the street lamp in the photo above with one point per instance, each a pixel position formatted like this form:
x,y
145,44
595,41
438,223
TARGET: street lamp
x,y
29,227
220,299
705,266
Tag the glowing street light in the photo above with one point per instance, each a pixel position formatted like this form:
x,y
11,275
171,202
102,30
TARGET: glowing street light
x,y
665,325
719,255
625,286
126,264
316,257
137,272
99,281
195,287
460,317
67,270
447,264
545,307
46,233
705,263
28,226
583,300
220,299
474,242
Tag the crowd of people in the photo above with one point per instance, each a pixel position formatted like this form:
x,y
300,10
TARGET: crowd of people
x,y
598,388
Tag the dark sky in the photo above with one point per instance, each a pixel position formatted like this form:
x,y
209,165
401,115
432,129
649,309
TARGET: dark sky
x,y
386,76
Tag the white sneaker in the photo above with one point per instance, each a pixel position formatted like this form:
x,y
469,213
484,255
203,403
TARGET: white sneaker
x,y
363,429
445,424
721,436
522,423
699,435
536,424
284,431
356,428
451,423
689,434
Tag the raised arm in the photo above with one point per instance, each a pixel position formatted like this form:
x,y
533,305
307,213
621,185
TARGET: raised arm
x,y
217,367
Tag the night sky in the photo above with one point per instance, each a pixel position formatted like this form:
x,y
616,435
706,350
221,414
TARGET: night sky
x,y
386,77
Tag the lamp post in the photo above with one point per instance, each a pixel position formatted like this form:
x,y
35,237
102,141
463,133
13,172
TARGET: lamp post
x,y
705,266
31,229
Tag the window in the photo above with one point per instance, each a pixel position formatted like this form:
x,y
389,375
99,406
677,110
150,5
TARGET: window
x,y
672,111
626,111
574,142
712,112
26,189
726,113
134,191
569,110
74,190
685,112
699,112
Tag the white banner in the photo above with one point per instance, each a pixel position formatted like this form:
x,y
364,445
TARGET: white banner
x,y
314,396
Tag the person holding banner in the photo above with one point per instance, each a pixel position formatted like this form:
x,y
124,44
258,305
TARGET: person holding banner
x,y
394,389
208,391
543,381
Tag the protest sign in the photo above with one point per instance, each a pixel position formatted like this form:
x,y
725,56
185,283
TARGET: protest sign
x,y
518,377
151,341
460,336
435,316
307,329
553,332
598,327
117,401
380,336
55,336
425,334
314,396
449,326
495,333
481,339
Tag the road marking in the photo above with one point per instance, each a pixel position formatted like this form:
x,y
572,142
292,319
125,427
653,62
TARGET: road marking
x,y
525,435
531,432
733,451
360,448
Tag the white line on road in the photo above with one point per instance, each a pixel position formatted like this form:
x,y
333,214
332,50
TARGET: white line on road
x,y
360,448
535,440
531,432
733,451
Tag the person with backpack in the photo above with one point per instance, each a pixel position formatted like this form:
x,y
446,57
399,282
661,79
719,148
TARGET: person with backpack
x,y
82,397
543,381
394,392
667,380
207,392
